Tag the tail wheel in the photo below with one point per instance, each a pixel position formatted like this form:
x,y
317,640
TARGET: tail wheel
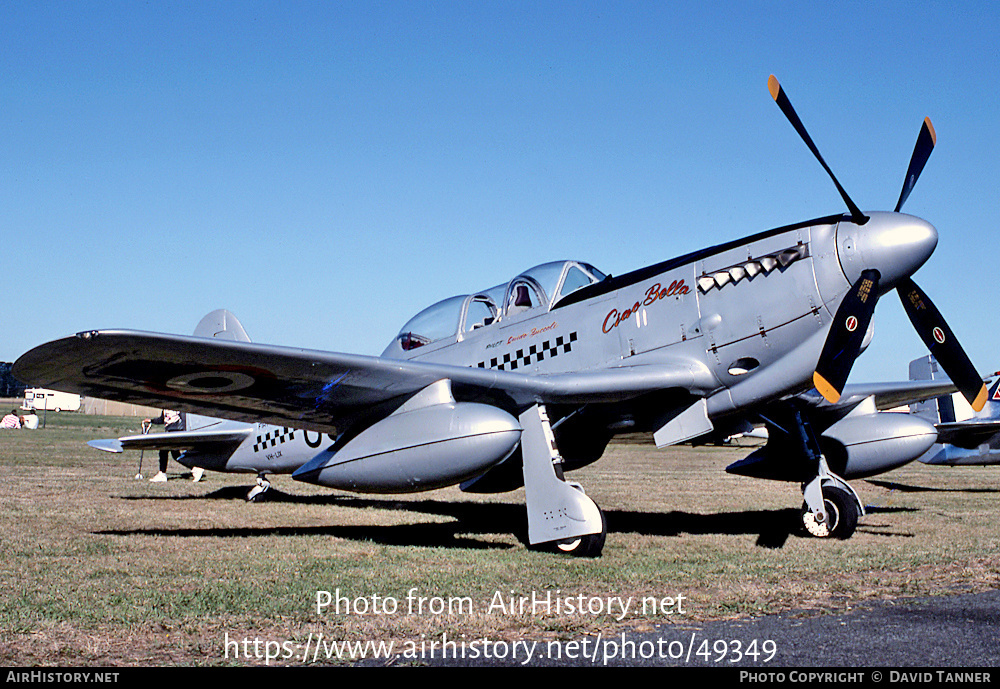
x,y
841,515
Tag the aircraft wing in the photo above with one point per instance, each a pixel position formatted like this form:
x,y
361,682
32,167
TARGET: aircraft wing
x,y
174,440
302,388
888,395
967,434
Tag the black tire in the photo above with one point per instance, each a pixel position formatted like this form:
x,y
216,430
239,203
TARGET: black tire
x,y
842,515
590,545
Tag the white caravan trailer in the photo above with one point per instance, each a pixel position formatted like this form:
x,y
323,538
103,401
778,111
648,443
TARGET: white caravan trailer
x,y
41,399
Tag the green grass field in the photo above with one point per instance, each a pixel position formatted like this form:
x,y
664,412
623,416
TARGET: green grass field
x,y
97,568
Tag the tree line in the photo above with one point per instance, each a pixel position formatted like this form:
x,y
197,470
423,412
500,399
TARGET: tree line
x,y
9,385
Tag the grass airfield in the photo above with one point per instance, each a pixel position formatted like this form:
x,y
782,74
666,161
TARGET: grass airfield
x,y
97,568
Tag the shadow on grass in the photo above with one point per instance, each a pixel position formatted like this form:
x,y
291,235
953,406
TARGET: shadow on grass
x,y
904,488
240,493
429,535
771,527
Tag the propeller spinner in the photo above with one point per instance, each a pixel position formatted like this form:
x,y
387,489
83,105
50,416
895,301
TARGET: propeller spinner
x,y
894,247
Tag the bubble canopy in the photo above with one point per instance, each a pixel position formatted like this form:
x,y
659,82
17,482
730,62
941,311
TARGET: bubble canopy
x,y
535,290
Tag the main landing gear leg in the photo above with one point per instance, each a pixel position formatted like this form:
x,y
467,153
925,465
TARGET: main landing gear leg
x,y
831,508
560,515
258,492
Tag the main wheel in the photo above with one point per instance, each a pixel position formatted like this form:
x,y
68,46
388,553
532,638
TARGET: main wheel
x,y
841,515
590,545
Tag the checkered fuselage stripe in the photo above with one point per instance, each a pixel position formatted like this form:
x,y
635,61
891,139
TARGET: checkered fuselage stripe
x,y
520,358
272,438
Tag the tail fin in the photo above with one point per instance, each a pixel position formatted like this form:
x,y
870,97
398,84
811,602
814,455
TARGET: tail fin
x,y
939,410
223,325
993,398
942,409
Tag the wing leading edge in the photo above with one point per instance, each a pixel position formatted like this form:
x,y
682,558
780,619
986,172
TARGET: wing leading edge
x,y
886,395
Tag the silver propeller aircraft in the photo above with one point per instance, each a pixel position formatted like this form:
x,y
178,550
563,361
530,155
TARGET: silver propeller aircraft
x,y
237,447
517,384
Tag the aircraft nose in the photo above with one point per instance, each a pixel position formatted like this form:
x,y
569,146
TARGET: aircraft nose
x,y
894,244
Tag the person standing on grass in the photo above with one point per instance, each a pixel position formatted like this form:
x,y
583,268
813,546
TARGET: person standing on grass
x,y
171,421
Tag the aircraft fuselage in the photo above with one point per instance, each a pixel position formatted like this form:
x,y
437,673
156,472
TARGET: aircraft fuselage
x,y
749,317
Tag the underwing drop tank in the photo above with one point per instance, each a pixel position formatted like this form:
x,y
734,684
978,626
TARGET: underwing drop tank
x,y
863,443
430,442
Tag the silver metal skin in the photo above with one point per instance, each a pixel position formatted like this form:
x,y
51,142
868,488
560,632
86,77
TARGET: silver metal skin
x,y
430,442
227,446
875,442
559,511
987,453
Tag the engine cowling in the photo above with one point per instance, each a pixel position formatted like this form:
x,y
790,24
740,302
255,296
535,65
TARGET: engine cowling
x,y
430,442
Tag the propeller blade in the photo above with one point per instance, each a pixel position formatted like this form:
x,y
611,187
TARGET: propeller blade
x,y
942,343
926,141
846,336
781,99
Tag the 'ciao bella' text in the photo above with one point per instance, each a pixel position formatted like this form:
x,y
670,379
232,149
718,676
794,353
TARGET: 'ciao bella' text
x,y
653,294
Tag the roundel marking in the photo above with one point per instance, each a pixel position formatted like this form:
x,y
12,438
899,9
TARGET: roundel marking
x,y
938,335
211,382
851,324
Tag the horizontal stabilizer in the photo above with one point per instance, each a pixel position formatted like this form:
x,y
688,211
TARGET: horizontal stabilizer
x,y
173,440
107,445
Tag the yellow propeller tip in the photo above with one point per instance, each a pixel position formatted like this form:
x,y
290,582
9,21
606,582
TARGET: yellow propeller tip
x,y
930,130
773,86
980,401
830,393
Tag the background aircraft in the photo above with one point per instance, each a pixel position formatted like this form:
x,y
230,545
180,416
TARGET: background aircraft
x,y
963,439
518,383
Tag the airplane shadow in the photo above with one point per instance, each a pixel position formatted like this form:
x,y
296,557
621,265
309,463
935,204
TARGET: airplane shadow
x,y
430,535
905,488
240,493
472,521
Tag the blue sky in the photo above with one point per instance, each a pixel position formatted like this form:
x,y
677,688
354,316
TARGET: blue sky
x,y
325,170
